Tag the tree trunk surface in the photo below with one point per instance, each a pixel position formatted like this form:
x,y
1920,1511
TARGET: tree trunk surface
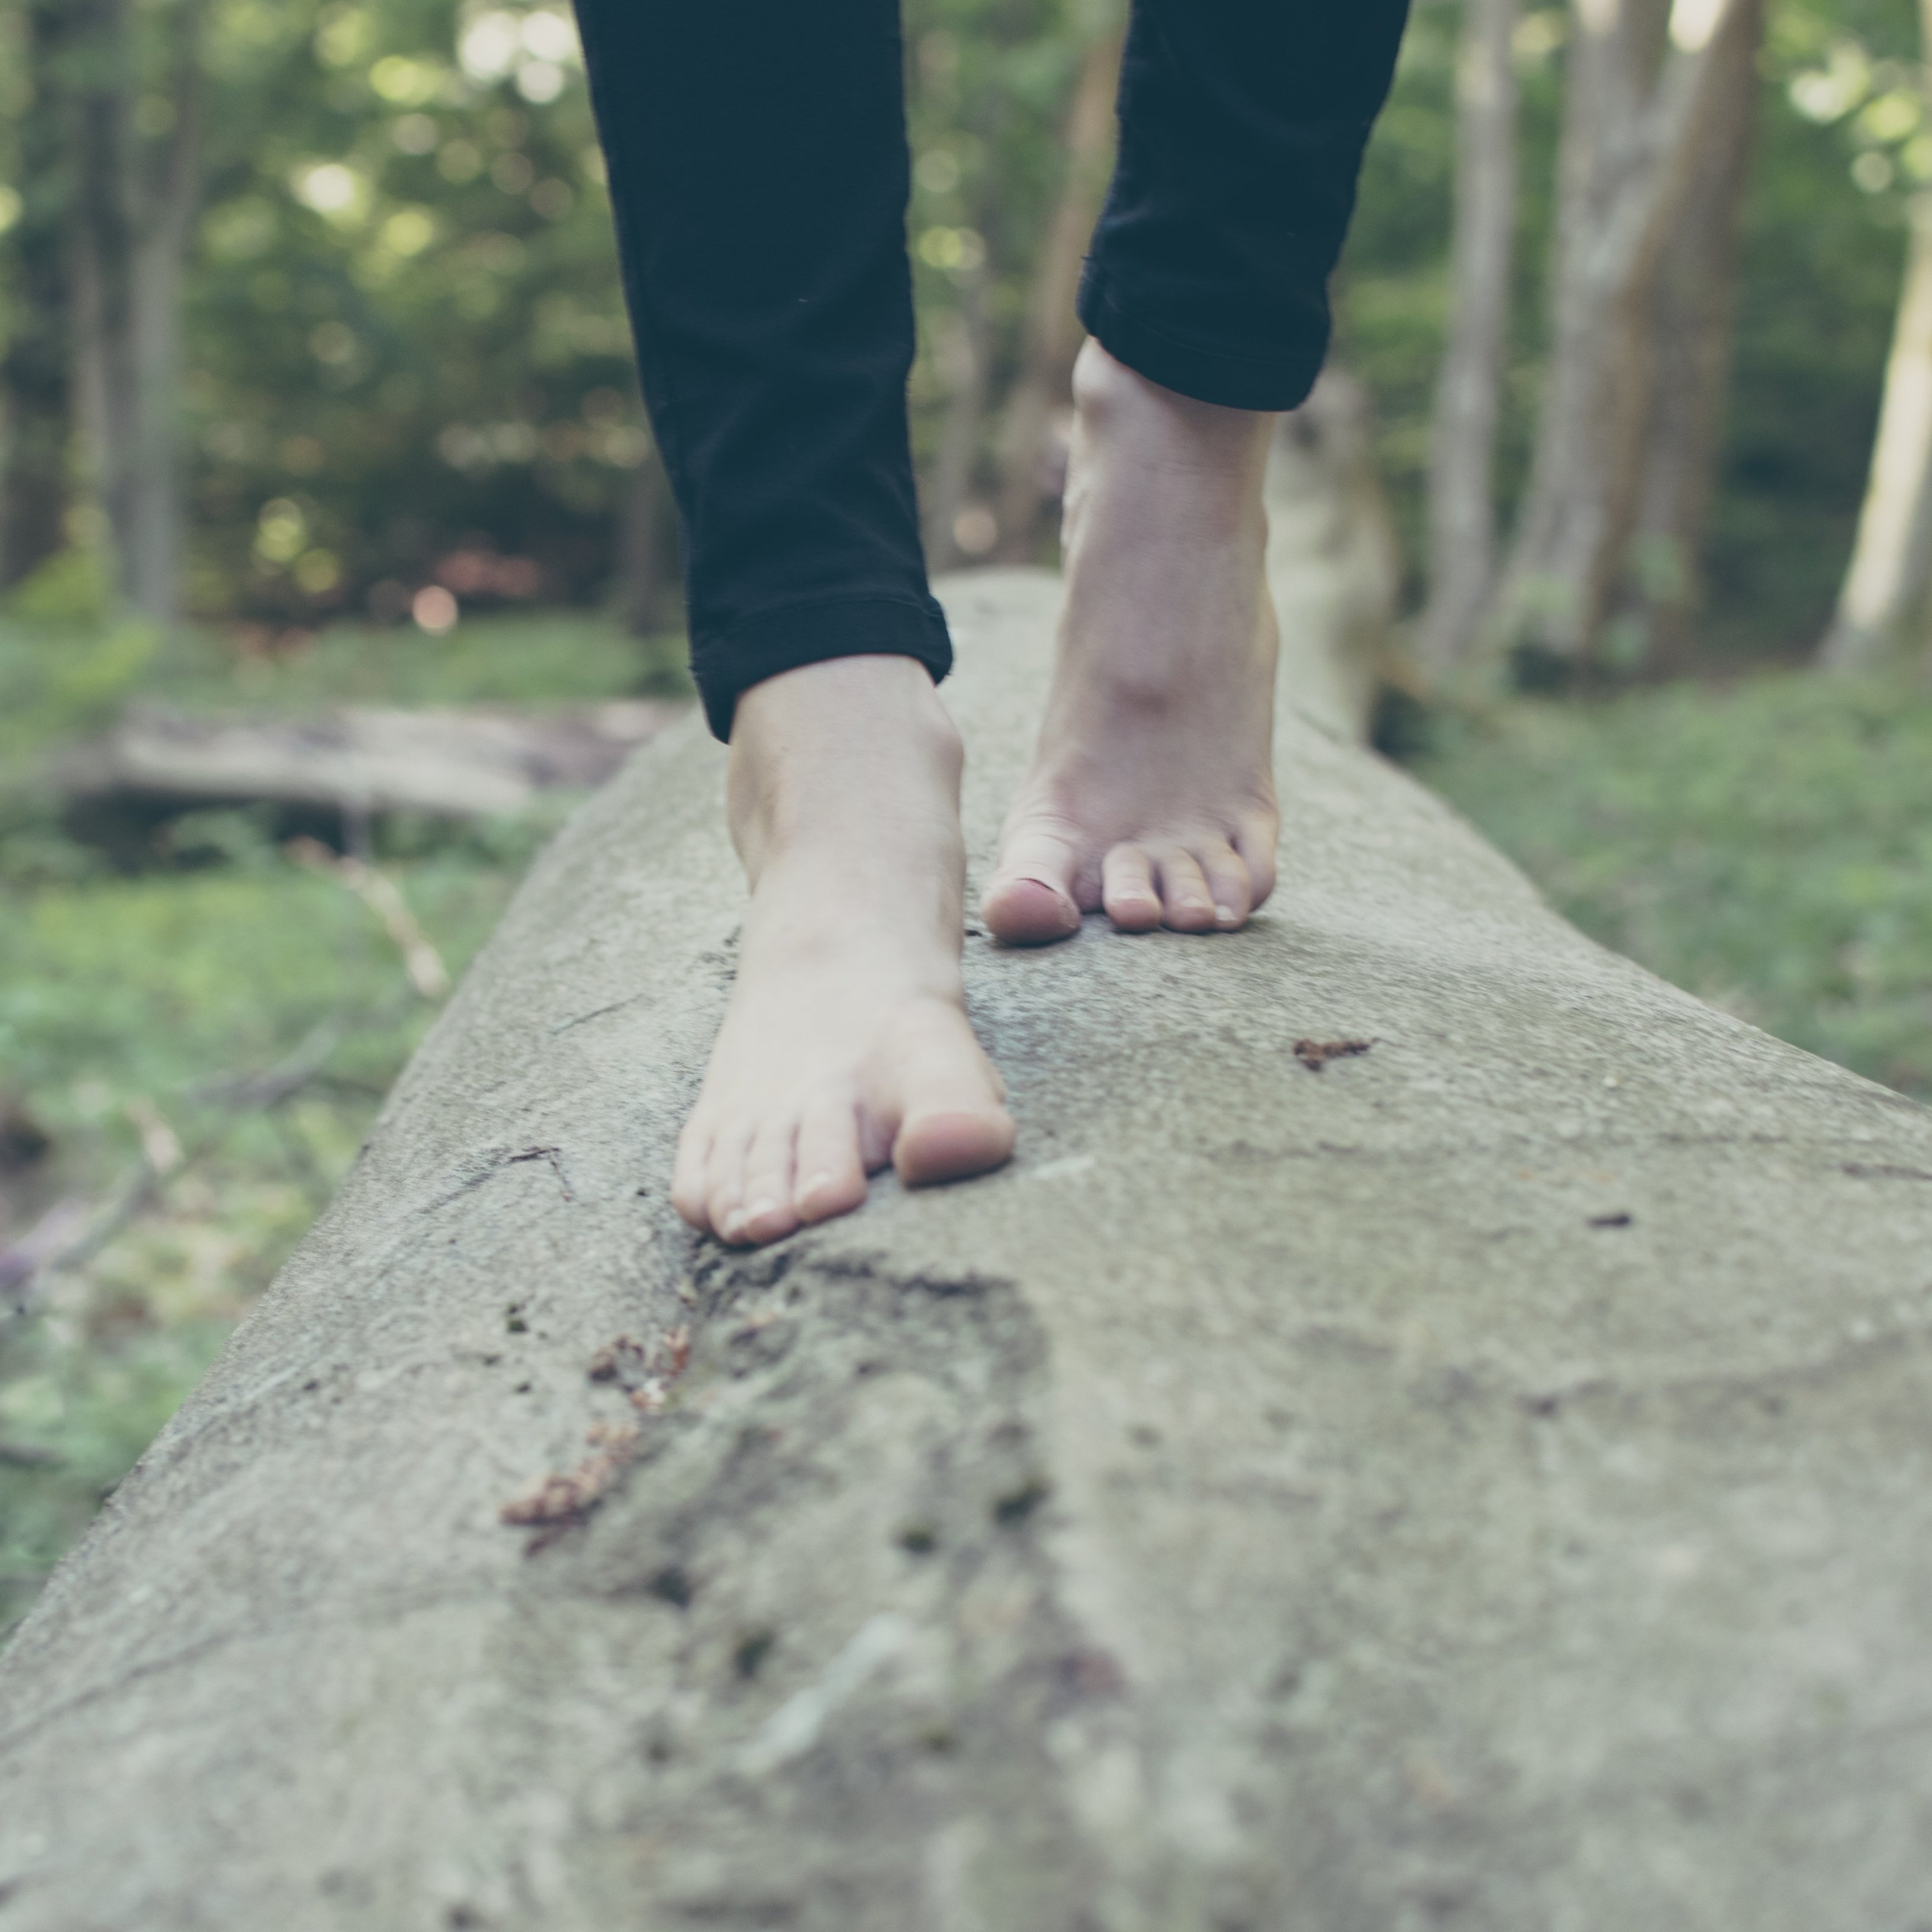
x,y
1485,1477
36,373
136,204
1636,100
1053,333
647,594
1690,329
1334,562
962,359
106,248
1886,582
474,762
1468,393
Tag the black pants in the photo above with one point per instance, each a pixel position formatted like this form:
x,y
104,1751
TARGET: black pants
x,y
759,172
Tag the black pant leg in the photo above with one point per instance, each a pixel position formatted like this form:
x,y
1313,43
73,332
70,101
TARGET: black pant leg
x,y
759,173
1243,124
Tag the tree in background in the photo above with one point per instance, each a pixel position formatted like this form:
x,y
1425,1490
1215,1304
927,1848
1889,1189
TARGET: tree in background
x,y
1469,405
36,371
381,230
406,363
136,163
1012,121
1053,333
1690,329
1884,586
1644,79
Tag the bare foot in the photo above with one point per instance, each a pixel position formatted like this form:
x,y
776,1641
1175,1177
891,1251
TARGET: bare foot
x,y
1152,789
846,1045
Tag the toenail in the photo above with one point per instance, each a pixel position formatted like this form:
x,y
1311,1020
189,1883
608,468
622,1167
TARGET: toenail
x,y
734,1224
761,1207
1226,914
816,1185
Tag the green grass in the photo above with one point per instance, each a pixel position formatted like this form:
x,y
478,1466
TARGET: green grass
x,y
128,998
66,664
1767,845
123,1003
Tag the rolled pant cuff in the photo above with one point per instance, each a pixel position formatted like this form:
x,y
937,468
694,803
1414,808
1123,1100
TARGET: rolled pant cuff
x,y
1236,381
793,634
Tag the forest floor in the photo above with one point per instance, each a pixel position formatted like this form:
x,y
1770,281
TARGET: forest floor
x,y
205,1038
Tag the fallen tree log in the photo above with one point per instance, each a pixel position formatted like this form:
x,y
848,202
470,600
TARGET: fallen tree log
x,y
1431,1430
476,762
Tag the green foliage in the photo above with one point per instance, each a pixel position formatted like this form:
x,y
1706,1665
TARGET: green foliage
x,y
64,665
125,1003
1767,845
410,342
79,1405
989,81
128,1001
409,358
1843,139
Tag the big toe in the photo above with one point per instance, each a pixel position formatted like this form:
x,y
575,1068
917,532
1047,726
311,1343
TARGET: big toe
x,y
948,1103
1030,900
1022,911
949,1143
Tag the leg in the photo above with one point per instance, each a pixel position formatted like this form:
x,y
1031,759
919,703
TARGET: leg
x,y
758,171
1151,793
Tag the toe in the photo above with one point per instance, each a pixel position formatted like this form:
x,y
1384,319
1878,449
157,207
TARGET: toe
x,y
951,1122
1255,842
1228,884
830,1177
724,1186
1186,905
769,1186
949,1144
1030,901
1127,889
688,1177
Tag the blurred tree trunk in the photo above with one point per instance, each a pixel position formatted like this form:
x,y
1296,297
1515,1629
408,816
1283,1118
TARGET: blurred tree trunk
x,y
1642,76
1886,584
647,566
1052,338
1691,333
1334,561
36,376
135,199
962,354
1469,396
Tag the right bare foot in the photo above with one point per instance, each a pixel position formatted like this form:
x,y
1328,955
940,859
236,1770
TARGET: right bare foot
x,y
846,1045
1151,793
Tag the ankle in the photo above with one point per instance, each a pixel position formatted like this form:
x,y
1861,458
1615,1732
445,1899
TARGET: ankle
x,y
857,749
1112,402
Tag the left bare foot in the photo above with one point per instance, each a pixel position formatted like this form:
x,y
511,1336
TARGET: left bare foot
x,y
1152,790
846,1044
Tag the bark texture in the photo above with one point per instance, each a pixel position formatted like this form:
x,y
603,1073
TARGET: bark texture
x,y
1643,80
1468,394
135,200
1885,586
962,359
1485,1479
1334,558
474,763
36,376
1691,335
1053,333
647,593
